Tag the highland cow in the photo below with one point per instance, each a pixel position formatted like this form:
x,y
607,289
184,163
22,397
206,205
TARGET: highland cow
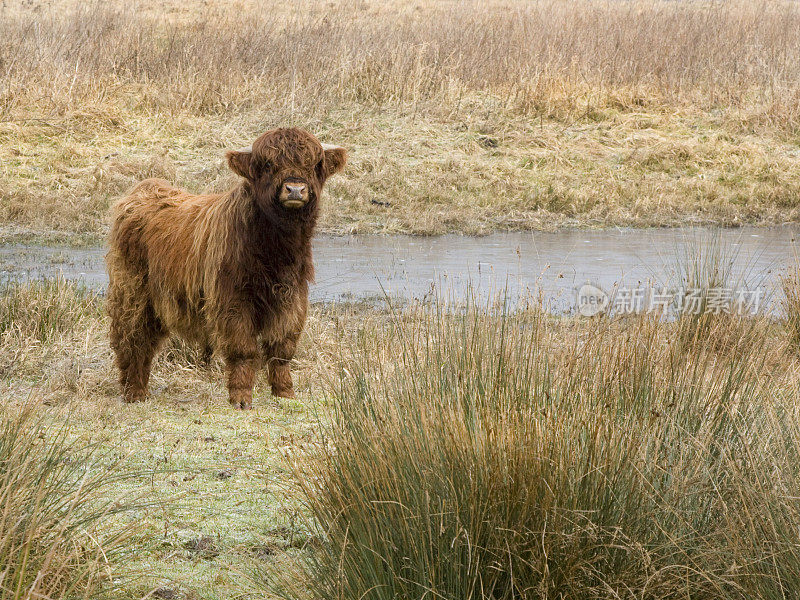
x,y
227,271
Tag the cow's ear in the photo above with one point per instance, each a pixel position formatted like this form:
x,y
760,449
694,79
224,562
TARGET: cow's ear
x,y
334,160
239,162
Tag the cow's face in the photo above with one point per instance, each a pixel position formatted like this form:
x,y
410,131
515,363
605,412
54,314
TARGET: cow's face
x,y
287,168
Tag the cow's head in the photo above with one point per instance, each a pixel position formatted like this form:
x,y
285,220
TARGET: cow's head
x,y
287,167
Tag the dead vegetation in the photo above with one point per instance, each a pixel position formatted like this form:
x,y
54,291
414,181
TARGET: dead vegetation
x,y
500,115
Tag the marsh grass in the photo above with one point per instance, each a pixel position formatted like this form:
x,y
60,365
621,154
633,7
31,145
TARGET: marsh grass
x,y
582,113
790,303
719,293
45,309
472,453
55,538
546,57
497,455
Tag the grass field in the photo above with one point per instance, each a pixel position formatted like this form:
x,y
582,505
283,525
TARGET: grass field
x,y
498,115
608,456
209,480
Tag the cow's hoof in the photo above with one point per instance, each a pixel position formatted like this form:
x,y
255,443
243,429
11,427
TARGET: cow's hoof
x,y
133,398
283,393
242,404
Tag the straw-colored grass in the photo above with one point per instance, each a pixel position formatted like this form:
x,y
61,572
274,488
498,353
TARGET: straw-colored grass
x,y
492,455
468,116
55,539
790,303
48,308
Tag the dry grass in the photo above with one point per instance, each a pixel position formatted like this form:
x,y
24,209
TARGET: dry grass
x,y
594,396
494,116
544,57
488,455
55,511
790,303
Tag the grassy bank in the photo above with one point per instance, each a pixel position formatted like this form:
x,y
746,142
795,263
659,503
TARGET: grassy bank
x,y
209,482
466,454
501,115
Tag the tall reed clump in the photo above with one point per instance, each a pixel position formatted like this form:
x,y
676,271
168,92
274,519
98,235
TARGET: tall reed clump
x,y
44,309
494,455
715,295
790,286
54,541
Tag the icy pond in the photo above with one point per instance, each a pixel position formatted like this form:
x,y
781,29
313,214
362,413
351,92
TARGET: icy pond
x,y
555,265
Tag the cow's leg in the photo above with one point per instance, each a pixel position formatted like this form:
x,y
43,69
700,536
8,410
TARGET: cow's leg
x,y
136,375
241,376
136,333
277,357
279,352
237,342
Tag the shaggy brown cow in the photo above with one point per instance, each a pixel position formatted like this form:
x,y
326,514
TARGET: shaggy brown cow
x,y
228,271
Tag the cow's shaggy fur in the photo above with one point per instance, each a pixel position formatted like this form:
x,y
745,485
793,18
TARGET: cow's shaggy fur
x,y
228,271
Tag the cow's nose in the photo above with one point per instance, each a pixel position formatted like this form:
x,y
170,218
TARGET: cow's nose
x,y
295,191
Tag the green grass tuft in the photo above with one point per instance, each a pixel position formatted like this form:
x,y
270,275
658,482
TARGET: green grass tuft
x,y
45,309
499,456
54,539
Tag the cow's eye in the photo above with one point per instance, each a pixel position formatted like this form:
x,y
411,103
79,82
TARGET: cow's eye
x,y
263,168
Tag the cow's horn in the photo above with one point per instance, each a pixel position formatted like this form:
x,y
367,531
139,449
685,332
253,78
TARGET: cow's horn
x,y
245,149
330,146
